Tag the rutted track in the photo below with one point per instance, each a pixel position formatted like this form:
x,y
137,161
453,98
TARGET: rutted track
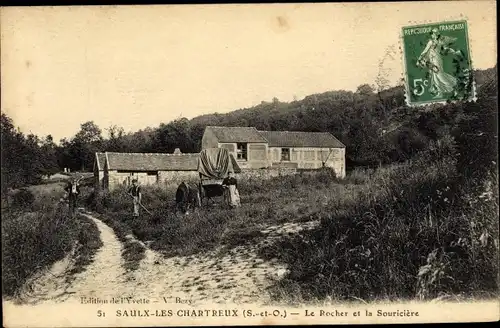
x,y
234,276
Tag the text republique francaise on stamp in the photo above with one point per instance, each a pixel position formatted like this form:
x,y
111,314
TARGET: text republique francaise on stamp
x,y
437,63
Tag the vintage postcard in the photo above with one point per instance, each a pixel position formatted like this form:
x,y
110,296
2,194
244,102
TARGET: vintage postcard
x,y
265,164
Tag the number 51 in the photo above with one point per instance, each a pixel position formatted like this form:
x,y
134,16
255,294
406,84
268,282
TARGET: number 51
x,y
419,86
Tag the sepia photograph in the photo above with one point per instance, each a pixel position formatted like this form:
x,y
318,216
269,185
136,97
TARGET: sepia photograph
x,y
249,164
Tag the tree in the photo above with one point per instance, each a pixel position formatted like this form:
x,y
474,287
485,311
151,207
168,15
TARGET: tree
x,y
22,159
196,134
173,135
115,140
84,145
49,155
89,133
365,90
11,145
64,159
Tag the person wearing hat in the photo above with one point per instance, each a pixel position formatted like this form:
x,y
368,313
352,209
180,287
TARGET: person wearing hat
x,y
73,190
135,192
232,195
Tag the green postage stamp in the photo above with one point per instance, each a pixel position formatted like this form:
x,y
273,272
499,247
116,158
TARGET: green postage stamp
x,y
437,63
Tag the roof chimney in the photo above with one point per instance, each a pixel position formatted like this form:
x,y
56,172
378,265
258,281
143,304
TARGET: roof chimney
x,y
177,151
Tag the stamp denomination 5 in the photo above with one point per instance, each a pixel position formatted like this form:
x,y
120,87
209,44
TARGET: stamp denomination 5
x,y
438,66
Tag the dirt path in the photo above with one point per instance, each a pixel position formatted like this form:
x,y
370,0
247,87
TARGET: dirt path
x,y
234,276
106,275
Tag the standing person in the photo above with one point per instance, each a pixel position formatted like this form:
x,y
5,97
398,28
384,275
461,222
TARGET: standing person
x,y
135,192
232,195
73,190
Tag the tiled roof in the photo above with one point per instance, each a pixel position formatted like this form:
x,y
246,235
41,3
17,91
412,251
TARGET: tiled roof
x,y
236,134
152,162
101,160
301,139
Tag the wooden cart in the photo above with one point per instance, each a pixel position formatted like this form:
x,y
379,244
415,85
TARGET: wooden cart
x,y
211,188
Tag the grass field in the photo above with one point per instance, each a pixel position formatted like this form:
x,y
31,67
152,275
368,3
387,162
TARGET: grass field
x,y
399,232
269,202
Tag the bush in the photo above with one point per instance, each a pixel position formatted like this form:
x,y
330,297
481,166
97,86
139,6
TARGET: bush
x,y
31,241
477,141
23,199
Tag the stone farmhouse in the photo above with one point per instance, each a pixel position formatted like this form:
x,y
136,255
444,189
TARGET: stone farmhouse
x,y
254,149
250,150
114,169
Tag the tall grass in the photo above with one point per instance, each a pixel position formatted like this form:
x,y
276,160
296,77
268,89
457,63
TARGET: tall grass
x,y
411,230
291,198
35,237
415,231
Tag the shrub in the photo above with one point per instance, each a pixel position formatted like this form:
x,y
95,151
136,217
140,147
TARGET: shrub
x,y
23,199
31,241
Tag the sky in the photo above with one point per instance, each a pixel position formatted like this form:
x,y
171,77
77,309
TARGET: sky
x,y
139,66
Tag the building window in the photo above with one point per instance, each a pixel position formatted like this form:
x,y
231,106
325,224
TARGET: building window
x,y
241,151
285,154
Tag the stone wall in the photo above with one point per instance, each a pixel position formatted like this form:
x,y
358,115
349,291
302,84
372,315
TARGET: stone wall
x,y
166,178
265,173
116,179
311,158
